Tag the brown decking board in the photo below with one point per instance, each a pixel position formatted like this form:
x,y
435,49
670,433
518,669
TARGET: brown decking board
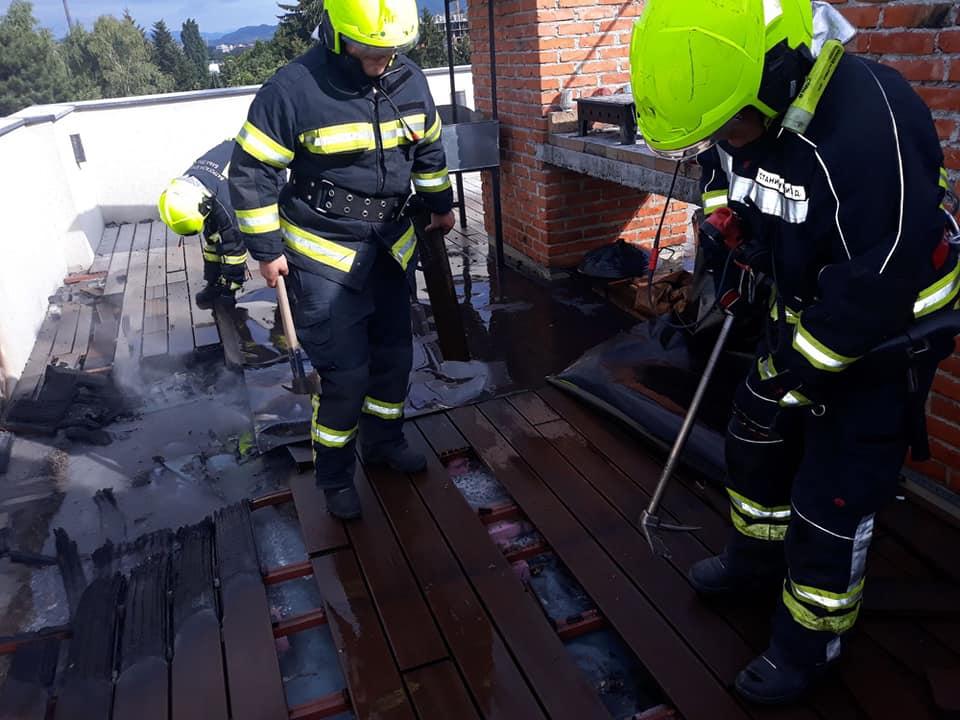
x,y
490,672
321,531
675,666
66,331
407,622
37,363
376,689
438,692
562,689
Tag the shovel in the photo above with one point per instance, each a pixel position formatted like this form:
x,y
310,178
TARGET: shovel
x,y
302,385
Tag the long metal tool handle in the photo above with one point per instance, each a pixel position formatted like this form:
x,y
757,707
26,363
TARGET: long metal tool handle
x,y
286,316
691,417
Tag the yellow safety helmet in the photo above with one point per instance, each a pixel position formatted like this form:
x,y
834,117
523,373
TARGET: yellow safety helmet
x,y
184,205
694,64
384,25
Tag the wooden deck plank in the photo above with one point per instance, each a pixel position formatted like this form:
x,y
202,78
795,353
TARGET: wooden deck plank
x,y
321,531
130,339
532,407
407,622
197,681
376,689
108,241
120,261
175,259
81,343
925,534
628,454
155,299
66,331
675,666
256,688
708,633
179,327
490,672
25,693
204,325
560,686
36,365
438,692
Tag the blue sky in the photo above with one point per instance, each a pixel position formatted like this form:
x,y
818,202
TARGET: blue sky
x,y
213,16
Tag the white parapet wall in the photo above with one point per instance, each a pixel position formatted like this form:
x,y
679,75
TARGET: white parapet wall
x,y
56,202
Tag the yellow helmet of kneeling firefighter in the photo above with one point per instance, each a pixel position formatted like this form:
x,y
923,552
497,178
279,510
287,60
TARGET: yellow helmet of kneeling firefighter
x,y
694,64
184,205
387,25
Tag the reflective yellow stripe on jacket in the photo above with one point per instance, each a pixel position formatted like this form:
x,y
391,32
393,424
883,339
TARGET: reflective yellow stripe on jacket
x,y
317,248
361,136
259,220
264,148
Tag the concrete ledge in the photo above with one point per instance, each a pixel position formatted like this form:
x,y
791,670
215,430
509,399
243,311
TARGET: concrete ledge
x,y
602,156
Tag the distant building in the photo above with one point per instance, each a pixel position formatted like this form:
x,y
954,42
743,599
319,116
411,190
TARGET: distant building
x,y
213,68
459,24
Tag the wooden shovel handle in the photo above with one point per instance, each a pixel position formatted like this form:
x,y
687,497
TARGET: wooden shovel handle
x,y
288,329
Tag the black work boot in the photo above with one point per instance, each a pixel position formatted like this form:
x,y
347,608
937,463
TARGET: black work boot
x,y
343,503
211,293
772,680
717,577
396,454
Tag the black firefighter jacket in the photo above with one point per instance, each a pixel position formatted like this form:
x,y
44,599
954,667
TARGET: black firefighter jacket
x,y
322,118
849,214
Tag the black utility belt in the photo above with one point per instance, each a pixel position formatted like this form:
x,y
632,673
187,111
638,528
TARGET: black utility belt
x,y
329,199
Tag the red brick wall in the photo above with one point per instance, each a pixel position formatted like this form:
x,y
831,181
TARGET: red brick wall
x,y
546,50
921,38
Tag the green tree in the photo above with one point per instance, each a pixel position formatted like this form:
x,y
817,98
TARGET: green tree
x,y
169,57
82,65
254,66
431,49
299,21
118,58
195,50
462,50
32,70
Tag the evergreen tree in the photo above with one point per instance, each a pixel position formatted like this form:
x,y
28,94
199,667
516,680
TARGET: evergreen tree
x,y
32,70
81,64
431,49
255,66
119,59
169,57
462,50
195,50
300,20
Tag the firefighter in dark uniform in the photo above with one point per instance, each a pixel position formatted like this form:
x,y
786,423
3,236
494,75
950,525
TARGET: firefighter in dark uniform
x,y
199,200
833,192
354,121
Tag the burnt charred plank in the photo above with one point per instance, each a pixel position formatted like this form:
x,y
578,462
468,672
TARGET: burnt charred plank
x,y
143,683
26,691
87,690
438,692
198,685
559,685
691,686
256,687
409,627
376,689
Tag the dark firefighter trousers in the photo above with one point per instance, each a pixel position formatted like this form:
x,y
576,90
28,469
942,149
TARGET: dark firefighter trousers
x,y
224,260
808,498
360,343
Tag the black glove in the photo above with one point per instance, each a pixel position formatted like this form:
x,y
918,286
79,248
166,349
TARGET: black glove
x,y
765,394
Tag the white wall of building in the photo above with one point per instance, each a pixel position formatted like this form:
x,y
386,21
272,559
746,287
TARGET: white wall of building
x,y
55,208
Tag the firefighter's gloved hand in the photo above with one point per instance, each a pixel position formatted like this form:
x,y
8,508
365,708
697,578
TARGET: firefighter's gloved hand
x,y
761,398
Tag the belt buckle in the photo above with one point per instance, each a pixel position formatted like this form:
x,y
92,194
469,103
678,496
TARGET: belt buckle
x,y
325,190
